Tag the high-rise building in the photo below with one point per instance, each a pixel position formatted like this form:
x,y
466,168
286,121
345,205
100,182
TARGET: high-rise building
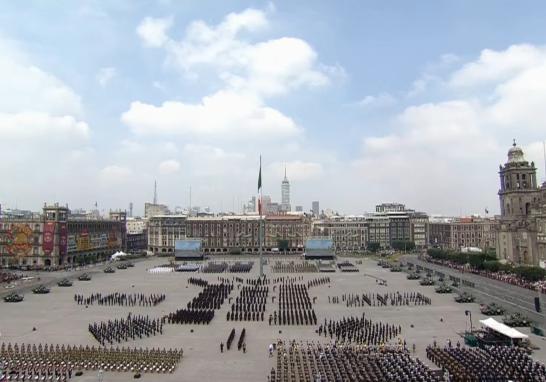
x,y
285,194
315,208
250,207
299,208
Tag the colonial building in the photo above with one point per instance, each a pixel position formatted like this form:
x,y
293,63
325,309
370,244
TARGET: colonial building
x,y
464,232
349,234
440,232
54,238
230,234
163,231
522,227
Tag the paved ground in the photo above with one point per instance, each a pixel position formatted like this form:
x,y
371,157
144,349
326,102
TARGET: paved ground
x,y
511,297
59,320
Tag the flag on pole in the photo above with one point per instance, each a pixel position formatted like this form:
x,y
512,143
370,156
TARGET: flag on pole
x,y
260,188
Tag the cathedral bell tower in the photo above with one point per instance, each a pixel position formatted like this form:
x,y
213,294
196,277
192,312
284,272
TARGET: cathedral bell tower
x,y
518,185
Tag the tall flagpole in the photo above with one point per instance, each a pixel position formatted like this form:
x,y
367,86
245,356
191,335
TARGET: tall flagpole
x,y
260,233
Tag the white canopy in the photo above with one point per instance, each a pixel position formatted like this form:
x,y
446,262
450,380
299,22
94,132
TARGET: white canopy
x,y
118,254
503,329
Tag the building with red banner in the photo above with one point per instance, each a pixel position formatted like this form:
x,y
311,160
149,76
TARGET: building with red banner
x,y
54,239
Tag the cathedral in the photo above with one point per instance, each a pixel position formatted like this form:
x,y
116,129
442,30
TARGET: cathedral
x,y
521,238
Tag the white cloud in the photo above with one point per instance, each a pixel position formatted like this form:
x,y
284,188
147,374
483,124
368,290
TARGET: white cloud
x,y
495,66
114,175
105,75
377,101
31,126
443,155
224,115
153,31
250,73
169,166
265,68
26,87
41,132
35,105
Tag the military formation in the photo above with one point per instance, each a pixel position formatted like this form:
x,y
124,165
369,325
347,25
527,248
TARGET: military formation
x,y
294,306
61,362
251,302
396,298
359,330
121,299
200,310
298,362
318,282
350,349
126,329
222,267
493,363
294,267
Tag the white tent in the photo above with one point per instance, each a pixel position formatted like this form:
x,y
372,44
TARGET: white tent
x,y
117,255
503,329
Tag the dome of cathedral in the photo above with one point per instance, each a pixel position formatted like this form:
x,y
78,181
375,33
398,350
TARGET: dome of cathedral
x,y
515,154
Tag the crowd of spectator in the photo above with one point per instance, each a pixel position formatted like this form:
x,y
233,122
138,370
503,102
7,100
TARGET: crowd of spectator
x,y
506,277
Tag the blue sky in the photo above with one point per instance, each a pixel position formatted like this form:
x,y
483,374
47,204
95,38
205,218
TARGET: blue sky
x,y
365,102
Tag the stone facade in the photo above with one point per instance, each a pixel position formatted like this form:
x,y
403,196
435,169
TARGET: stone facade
x,y
55,239
349,234
522,227
230,234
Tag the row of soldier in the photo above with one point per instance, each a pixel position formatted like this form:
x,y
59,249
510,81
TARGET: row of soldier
x,y
493,363
359,330
45,361
250,304
123,329
190,316
293,317
319,362
294,267
211,297
386,299
294,305
318,281
118,298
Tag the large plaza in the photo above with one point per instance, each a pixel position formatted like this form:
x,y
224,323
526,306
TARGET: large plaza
x,y
55,318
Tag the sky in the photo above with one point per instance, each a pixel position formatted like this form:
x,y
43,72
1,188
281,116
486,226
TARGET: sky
x,y
363,102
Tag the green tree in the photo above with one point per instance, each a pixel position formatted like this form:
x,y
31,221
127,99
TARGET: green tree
x,y
374,246
530,273
403,245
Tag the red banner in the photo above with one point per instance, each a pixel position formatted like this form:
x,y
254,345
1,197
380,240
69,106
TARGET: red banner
x,y
63,239
48,242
